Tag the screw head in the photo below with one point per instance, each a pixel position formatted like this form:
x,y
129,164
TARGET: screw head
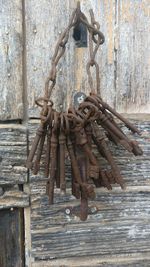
x,y
35,30
67,211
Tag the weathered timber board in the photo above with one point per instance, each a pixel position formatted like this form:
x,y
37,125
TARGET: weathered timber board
x,y
124,72
143,261
11,238
44,22
119,226
135,170
13,154
133,53
11,45
13,198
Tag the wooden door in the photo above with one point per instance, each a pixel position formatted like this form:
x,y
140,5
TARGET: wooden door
x,y
117,232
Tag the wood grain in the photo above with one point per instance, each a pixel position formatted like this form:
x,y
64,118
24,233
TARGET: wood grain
x,y
133,53
14,198
13,154
44,23
43,28
124,71
11,238
121,219
128,261
11,86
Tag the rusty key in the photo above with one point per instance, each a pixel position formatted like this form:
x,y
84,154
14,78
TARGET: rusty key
x,y
36,164
81,140
53,159
84,198
47,156
62,142
37,138
103,149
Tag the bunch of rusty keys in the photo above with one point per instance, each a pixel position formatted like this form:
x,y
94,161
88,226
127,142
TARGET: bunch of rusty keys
x,y
77,130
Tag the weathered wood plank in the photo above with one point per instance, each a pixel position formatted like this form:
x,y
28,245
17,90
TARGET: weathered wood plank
x,y
11,238
133,53
121,218
97,261
11,85
43,20
13,153
124,74
13,198
104,12
42,34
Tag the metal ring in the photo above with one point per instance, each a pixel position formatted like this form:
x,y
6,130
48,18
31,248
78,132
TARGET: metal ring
x,y
46,118
46,100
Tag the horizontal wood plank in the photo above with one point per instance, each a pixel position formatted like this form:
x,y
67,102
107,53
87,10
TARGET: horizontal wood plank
x,y
11,46
117,224
13,154
13,199
128,261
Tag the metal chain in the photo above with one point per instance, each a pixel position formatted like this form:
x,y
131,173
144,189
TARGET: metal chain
x,y
93,28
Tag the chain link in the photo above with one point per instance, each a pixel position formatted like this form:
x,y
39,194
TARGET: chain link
x,y
93,28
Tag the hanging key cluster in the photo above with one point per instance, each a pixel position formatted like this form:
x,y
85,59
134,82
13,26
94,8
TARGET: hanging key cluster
x,y
74,132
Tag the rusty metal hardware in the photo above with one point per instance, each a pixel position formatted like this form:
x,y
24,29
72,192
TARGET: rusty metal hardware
x,y
76,130
53,158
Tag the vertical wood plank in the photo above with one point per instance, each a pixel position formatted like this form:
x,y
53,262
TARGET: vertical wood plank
x,y
11,87
104,12
128,91
133,56
11,243
44,23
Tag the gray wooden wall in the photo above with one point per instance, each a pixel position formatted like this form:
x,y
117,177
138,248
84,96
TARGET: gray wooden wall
x,y
117,232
